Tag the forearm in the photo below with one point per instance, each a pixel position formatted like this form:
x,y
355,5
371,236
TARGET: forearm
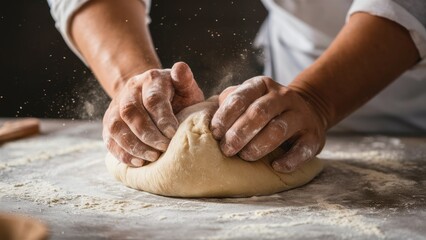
x,y
368,54
114,39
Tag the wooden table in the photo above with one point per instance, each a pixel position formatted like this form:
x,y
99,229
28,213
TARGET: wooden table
x,y
373,187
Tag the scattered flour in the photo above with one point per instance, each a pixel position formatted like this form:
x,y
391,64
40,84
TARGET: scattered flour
x,y
308,212
380,181
323,214
44,155
44,193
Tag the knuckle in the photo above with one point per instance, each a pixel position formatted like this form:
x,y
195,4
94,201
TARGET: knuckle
x,y
144,136
266,79
133,82
152,99
114,126
258,111
279,126
153,73
255,80
282,93
225,93
127,110
236,101
276,94
229,90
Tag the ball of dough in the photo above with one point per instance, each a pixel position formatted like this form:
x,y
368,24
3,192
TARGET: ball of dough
x,y
194,166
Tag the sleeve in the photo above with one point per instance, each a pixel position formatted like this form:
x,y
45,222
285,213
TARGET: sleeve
x,y
411,14
63,10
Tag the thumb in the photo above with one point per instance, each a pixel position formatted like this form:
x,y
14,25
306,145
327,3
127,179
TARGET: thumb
x,y
183,81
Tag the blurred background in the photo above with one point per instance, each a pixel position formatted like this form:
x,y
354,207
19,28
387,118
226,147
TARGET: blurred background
x,y
41,77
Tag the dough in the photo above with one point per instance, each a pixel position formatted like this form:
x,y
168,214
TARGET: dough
x,y
194,166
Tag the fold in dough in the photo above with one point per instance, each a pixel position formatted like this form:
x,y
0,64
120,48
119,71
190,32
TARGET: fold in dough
x,y
194,166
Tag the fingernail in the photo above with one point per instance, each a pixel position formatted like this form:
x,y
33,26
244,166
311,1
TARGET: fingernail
x,y
246,155
169,131
227,150
136,162
215,127
216,133
151,155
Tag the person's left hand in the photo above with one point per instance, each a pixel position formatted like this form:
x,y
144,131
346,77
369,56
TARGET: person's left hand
x,y
261,115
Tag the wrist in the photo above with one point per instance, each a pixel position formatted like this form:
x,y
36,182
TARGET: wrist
x,y
318,103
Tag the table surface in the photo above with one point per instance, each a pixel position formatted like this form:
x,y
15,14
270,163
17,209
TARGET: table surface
x,y
372,187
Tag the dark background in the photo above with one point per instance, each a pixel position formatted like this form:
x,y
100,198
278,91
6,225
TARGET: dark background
x,y
41,77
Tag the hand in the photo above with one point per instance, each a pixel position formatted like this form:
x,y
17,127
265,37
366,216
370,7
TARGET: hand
x,y
140,120
261,115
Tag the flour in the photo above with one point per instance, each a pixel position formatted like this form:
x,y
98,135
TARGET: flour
x,y
44,193
381,166
378,161
44,156
370,189
380,181
323,214
253,214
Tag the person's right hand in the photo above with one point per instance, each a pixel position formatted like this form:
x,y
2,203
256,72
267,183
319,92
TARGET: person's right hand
x,y
140,120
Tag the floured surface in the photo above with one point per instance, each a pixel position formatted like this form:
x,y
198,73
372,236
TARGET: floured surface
x,y
194,166
371,188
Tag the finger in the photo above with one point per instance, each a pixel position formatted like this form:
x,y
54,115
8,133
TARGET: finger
x,y
157,94
273,135
303,150
110,127
132,145
236,104
251,122
184,82
121,154
226,92
132,112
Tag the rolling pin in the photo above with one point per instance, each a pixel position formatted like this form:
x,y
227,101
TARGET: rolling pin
x,y
21,128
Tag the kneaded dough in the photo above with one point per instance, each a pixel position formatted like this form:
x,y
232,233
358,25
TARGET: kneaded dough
x,y
194,166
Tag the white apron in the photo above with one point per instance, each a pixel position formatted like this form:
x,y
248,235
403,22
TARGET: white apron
x,y
297,32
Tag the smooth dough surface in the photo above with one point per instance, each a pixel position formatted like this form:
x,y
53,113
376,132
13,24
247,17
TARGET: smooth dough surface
x,y
194,166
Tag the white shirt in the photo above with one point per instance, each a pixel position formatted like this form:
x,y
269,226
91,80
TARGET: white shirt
x,y
297,32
